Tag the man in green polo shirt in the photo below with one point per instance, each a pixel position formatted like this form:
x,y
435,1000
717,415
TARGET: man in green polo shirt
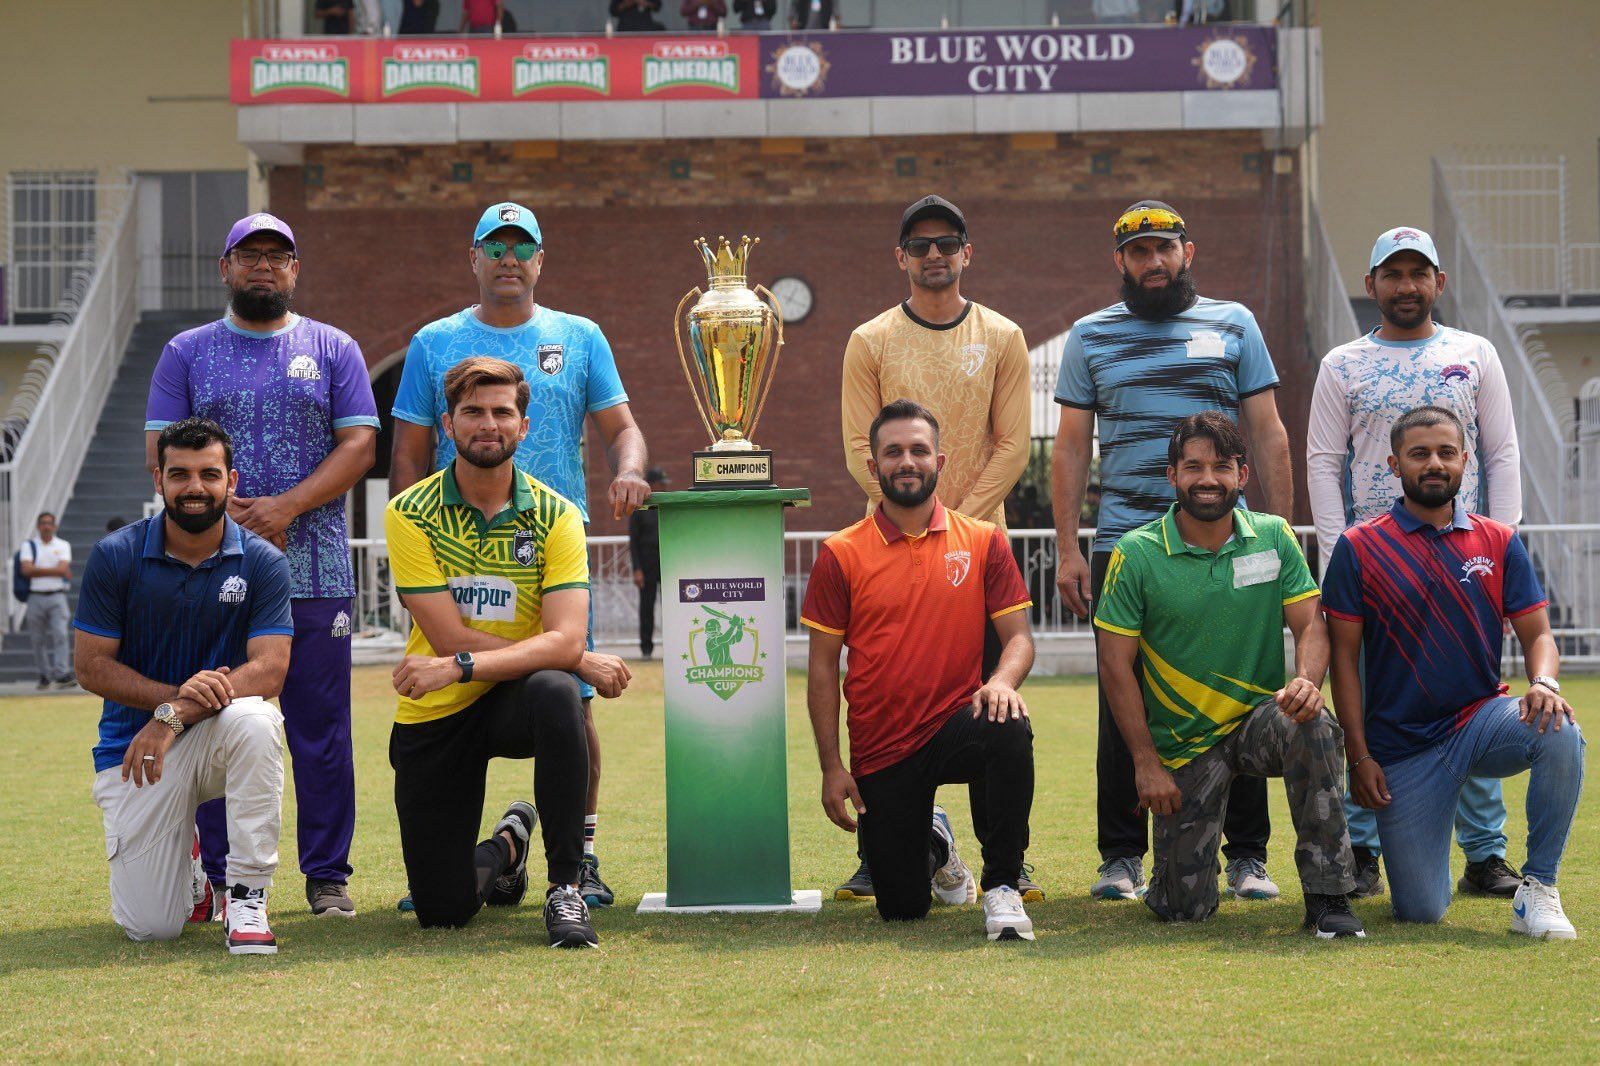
x,y
1199,599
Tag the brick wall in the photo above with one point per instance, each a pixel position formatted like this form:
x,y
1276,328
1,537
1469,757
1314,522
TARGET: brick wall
x,y
383,234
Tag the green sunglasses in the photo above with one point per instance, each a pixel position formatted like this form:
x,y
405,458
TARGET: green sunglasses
x,y
523,250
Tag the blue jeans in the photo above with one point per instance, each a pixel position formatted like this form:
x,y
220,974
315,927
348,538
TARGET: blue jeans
x,y
1426,787
1480,821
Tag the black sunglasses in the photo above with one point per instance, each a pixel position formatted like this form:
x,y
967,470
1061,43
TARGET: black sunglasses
x,y
917,247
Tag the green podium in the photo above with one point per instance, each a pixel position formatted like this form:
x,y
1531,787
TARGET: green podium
x,y
722,593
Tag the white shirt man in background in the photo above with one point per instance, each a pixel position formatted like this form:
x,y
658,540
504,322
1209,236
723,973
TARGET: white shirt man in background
x,y
47,564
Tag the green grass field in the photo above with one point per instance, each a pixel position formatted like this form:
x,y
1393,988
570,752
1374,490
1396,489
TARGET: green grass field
x,y
1103,980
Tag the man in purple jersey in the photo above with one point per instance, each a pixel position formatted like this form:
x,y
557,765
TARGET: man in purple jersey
x,y
295,397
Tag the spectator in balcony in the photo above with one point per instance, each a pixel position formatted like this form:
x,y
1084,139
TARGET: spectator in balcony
x,y
636,16
811,15
419,16
644,550
481,16
703,15
1362,388
337,16
755,14
47,564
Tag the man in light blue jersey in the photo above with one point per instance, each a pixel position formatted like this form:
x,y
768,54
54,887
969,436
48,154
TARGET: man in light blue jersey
x,y
573,375
1140,367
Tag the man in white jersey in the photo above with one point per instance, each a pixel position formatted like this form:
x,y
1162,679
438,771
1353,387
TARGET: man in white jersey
x,y
1411,361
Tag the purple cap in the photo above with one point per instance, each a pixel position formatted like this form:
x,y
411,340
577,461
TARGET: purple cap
x,y
255,223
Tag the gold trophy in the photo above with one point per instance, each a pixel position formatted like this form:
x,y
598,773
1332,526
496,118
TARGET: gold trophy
x,y
734,338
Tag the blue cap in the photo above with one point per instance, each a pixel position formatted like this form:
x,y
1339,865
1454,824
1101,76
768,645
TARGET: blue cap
x,y
507,214
1403,239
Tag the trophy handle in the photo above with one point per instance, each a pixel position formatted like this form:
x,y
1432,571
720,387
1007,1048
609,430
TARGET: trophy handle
x,y
772,364
683,360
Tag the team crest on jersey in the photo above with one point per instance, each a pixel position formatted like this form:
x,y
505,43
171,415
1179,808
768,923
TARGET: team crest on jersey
x,y
972,356
523,548
956,566
552,357
305,368
1481,565
233,590
1456,372
341,625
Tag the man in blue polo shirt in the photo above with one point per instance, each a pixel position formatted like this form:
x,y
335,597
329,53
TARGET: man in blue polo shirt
x,y
183,626
1425,592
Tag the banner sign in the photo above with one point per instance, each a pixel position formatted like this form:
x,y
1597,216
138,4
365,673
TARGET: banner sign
x,y
746,67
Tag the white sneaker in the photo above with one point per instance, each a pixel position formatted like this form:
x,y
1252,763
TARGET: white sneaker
x,y
246,922
1003,916
952,882
1536,912
1247,879
1120,879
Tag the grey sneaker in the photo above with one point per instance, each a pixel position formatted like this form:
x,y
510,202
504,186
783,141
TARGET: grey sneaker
x,y
1121,878
952,882
329,897
1369,875
1247,879
509,888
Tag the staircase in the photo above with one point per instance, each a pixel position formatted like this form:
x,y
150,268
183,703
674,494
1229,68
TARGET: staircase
x,y
113,482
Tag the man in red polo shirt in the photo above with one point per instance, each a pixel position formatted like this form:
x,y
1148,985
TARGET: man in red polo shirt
x,y
908,591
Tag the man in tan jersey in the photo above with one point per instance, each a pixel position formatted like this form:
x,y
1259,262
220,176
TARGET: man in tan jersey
x,y
966,364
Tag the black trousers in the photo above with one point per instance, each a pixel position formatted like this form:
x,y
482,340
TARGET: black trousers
x,y
1124,832
896,833
439,778
647,609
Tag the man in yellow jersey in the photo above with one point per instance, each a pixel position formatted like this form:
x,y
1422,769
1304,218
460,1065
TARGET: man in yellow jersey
x,y
966,364
494,569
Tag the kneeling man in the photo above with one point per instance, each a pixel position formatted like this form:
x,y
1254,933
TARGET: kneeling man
x,y
184,627
1202,595
494,568
1425,591
909,592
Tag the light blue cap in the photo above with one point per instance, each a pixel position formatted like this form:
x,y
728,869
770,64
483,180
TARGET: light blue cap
x,y
1403,239
507,214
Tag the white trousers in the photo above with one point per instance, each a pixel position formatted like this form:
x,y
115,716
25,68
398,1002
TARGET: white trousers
x,y
237,754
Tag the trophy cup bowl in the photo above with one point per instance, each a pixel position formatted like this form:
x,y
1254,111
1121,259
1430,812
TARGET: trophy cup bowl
x,y
731,355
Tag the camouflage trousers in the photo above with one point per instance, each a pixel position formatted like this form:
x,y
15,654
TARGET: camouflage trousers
x,y
1309,758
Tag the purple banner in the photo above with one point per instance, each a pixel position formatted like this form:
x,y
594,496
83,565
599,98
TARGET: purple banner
x,y
1024,61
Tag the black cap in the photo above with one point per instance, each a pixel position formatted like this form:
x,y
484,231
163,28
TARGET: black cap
x,y
1174,229
932,207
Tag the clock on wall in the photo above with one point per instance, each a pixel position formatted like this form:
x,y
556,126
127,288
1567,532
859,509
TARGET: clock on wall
x,y
794,299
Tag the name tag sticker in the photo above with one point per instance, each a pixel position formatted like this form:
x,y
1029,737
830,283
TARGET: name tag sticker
x,y
1256,569
1206,344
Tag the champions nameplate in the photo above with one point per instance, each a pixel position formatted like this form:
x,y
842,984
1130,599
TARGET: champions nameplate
x,y
733,470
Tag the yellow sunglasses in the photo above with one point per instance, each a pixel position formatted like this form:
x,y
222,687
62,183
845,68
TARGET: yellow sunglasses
x,y
1146,220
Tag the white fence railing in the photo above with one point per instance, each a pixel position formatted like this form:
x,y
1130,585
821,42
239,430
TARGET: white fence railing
x,y
1330,320
1564,556
56,227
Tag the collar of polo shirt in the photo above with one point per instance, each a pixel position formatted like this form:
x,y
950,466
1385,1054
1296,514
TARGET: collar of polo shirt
x,y
938,522
521,498
1172,539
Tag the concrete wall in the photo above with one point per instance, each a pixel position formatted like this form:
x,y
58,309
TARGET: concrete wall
x,y
1406,82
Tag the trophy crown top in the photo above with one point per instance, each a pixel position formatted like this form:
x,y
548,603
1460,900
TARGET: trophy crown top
x,y
726,264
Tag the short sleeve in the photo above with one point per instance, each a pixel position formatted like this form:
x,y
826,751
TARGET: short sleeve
x,y
1004,590
1074,384
1341,583
566,554
417,398
604,387
1522,592
352,400
102,596
1256,372
1295,582
270,614
168,401
412,563
1121,606
827,603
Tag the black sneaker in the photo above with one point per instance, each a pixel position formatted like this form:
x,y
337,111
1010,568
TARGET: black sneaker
x,y
509,888
595,892
1330,917
1031,893
1369,876
566,916
329,897
1491,877
859,886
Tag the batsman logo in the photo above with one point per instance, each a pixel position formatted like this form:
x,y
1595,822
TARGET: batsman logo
x,y
724,652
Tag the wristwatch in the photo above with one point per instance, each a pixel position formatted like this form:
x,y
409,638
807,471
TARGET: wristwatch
x,y
167,715
464,660
1548,682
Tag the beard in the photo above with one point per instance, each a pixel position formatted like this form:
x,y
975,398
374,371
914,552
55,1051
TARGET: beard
x,y
486,460
1430,493
951,275
195,521
1156,305
912,497
1409,318
1208,512
253,305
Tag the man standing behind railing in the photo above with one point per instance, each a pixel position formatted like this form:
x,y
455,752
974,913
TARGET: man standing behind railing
x,y
1362,389
295,397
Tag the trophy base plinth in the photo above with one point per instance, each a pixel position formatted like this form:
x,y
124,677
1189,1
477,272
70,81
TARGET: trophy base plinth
x,y
733,470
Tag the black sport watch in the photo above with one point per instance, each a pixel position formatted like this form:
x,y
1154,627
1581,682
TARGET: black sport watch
x,y
464,660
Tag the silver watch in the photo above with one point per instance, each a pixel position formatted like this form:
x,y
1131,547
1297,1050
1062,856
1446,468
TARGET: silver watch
x,y
1547,681
167,715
